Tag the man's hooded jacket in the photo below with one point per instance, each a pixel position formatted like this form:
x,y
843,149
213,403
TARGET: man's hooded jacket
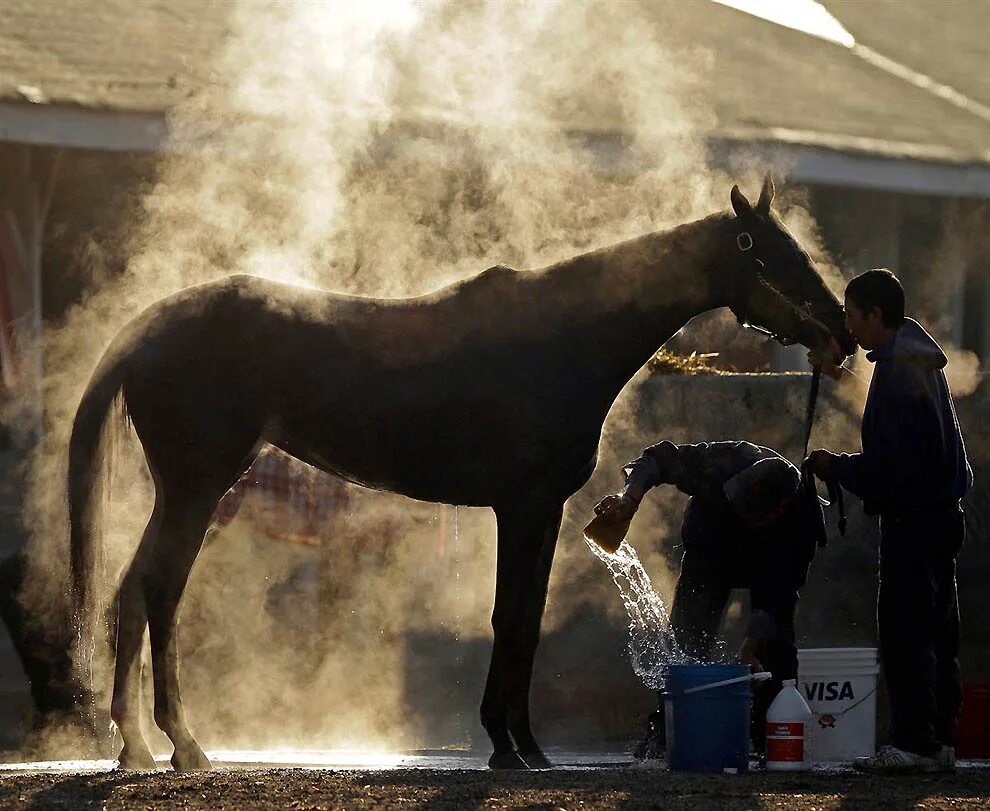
x,y
913,456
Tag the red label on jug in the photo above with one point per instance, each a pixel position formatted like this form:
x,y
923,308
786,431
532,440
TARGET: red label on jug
x,y
785,742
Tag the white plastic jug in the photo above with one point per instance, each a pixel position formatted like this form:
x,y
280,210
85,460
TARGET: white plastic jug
x,y
788,724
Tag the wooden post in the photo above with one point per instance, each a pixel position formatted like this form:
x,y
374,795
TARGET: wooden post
x,y
29,174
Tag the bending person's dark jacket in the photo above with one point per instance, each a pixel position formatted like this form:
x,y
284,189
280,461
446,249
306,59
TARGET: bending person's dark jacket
x,y
699,471
913,456
779,553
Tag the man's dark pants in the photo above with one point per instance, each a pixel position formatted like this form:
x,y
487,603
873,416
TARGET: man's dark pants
x,y
918,621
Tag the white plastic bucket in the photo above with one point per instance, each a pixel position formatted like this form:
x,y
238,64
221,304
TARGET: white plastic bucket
x,y
840,686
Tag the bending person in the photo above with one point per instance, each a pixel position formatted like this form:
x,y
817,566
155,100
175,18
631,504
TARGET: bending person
x,y
748,525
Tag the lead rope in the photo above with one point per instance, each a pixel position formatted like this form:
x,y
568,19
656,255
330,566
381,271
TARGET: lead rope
x,y
807,477
809,414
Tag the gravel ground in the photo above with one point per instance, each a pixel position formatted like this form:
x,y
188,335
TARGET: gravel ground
x,y
612,788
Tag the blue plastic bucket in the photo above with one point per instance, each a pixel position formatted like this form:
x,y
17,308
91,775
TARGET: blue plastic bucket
x,y
708,730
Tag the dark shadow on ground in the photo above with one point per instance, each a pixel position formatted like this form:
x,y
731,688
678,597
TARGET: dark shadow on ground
x,y
875,791
639,788
629,789
60,791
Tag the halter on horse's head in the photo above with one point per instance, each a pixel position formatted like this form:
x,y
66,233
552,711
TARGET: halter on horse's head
x,y
777,289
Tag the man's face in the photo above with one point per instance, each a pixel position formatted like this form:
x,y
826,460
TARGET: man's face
x,y
867,328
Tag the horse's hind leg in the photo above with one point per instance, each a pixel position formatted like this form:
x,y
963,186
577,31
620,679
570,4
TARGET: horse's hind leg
x,y
125,709
185,518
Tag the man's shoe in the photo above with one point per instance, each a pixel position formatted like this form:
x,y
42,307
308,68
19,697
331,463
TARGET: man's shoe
x,y
891,760
946,759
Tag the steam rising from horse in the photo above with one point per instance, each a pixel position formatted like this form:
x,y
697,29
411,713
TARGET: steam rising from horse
x,y
490,392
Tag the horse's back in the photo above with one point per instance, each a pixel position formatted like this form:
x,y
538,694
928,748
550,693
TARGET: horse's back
x,y
422,396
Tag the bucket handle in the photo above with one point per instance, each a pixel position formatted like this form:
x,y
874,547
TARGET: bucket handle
x,y
762,676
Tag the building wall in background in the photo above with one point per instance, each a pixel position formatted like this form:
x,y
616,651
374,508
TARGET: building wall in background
x,y
938,246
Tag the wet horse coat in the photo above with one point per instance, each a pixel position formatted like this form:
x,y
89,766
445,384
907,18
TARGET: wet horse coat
x,y
490,392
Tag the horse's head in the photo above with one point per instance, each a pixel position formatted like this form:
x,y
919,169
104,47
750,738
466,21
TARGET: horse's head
x,y
777,288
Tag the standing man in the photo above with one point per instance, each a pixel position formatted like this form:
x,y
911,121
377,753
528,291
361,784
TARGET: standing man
x,y
748,525
912,472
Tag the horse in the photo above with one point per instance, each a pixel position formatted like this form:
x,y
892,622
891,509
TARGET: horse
x,y
488,392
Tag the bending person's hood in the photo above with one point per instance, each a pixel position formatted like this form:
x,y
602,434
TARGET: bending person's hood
x,y
913,344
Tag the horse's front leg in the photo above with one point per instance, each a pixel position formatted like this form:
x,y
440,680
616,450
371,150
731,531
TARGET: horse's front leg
x,y
527,537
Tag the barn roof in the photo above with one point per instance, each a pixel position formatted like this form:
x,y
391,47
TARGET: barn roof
x,y
763,81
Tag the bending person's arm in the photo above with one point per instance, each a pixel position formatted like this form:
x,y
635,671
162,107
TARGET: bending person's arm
x,y
771,618
689,468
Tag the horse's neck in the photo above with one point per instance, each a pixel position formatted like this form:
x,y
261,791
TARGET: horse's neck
x,y
628,299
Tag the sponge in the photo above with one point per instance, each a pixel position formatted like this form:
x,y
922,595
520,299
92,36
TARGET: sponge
x,y
607,531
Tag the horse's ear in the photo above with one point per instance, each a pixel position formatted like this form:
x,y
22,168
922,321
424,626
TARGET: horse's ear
x,y
766,196
740,204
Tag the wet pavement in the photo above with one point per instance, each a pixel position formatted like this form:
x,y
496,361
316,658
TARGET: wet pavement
x,y
368,760
336,759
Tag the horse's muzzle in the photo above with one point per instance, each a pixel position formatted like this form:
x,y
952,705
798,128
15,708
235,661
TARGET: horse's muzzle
x,y
817,335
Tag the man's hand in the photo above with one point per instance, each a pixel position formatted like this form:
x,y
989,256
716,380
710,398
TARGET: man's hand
x,y
821,463
827,356
747,655
619,507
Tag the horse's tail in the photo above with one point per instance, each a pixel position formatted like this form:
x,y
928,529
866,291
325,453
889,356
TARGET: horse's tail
x,y
88,480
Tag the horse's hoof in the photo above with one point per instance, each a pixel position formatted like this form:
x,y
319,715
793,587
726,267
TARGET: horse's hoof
x,y
536,760
136,758
191,759
506,760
